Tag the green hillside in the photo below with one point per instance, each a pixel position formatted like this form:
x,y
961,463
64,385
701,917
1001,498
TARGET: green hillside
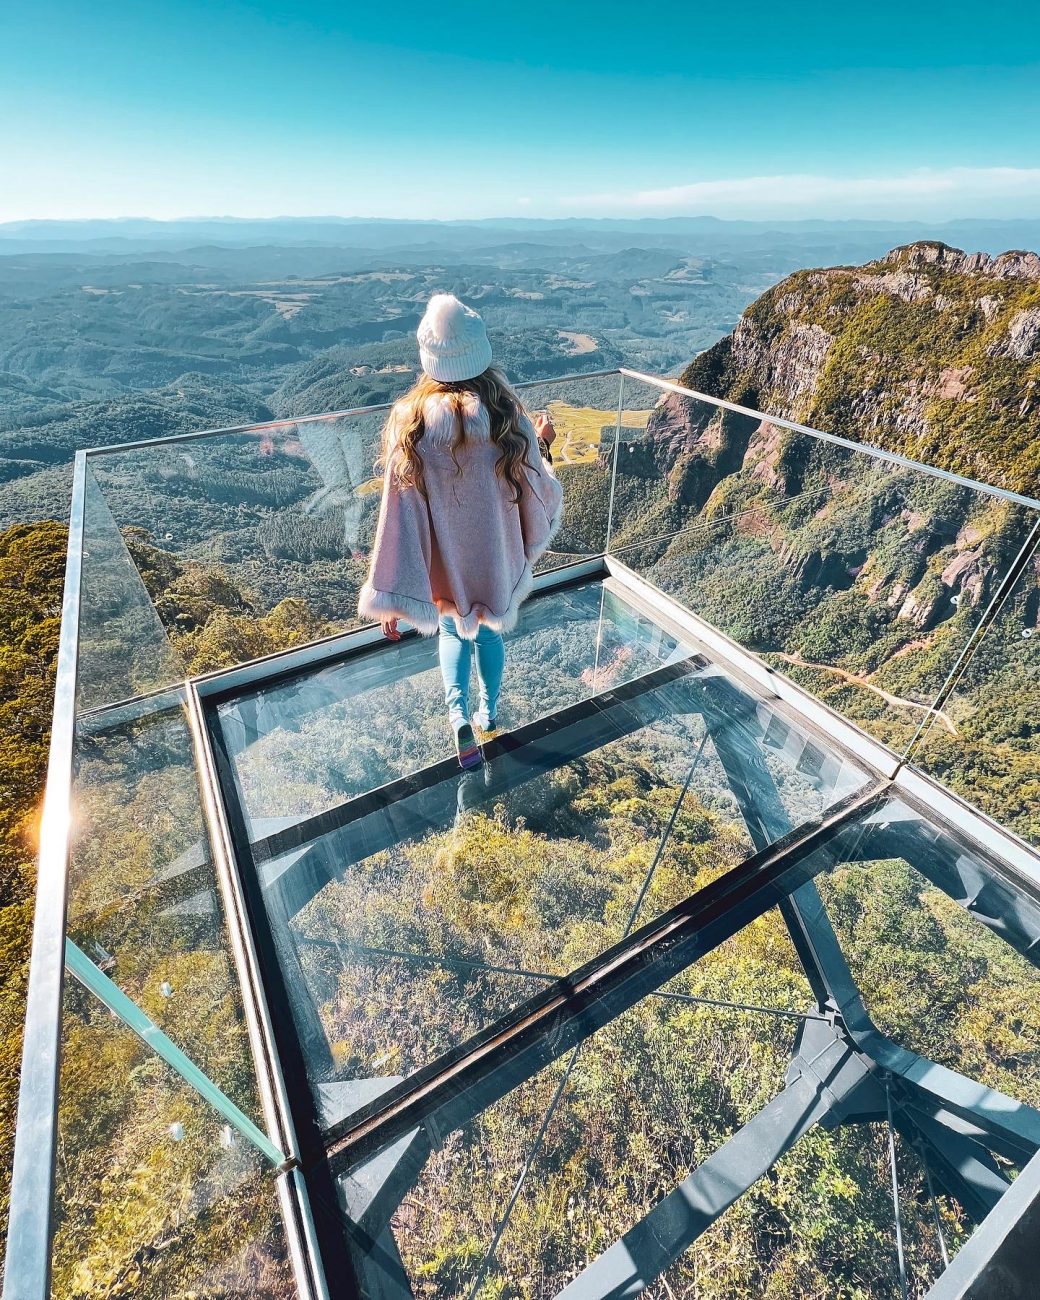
x,y
862,583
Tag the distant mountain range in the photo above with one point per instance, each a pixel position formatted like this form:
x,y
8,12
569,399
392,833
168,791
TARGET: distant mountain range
x,y
860,238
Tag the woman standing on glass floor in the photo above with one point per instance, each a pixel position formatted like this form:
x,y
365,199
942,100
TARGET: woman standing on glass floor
x,y
469,503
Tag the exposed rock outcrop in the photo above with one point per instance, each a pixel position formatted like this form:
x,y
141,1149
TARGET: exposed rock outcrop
x,y
930,351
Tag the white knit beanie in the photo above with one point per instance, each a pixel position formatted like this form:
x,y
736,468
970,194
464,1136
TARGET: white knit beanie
x,y
453,343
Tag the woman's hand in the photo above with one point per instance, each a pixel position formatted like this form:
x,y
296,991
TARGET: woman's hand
x,y
543,426
389,626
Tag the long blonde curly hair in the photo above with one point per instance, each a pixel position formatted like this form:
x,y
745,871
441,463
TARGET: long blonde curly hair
x,y
405,428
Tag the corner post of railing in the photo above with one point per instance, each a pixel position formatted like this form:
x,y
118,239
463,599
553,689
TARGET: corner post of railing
x,y
614,464
27,1267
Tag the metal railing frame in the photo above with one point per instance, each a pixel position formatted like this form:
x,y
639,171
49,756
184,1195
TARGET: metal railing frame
x,y
28,1259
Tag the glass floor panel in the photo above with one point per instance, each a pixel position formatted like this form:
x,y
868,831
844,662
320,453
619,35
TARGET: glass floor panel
x,y
411,914
765,1133
301,745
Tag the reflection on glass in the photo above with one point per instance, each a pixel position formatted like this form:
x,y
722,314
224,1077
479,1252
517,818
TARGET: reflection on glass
x,y
250,542
302,745
155,1197
984,741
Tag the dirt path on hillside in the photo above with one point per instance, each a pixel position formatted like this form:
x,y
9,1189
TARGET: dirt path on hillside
x,y
856,680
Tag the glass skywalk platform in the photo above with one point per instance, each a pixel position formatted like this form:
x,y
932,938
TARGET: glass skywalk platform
x,y
709,977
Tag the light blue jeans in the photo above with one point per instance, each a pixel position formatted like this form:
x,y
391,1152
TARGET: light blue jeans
x,y
456,657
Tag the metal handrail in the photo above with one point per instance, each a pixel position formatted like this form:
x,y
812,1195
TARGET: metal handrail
x,y
27,1270
654,381
290,423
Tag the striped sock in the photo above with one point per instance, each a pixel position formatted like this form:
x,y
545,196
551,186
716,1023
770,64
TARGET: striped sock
x,y
467,747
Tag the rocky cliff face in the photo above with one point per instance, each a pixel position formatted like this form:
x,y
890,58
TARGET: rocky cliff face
x,y
863,581
929,351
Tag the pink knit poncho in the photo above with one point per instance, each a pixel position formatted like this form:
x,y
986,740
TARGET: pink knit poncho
x,y
467,548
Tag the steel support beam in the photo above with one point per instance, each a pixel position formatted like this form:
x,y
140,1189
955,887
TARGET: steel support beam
x,y
999,1260
992,1112
447,1094
826,1078
963,1166
971,879
767,821
1007,1123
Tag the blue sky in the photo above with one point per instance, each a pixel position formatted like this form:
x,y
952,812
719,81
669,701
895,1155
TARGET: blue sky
x,y
362,108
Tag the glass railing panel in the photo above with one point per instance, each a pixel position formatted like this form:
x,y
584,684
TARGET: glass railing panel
x,y
156,1196
144,902
684,461
859,579
453,891
983,740
124,649
145,919
585,415
954,983
250,542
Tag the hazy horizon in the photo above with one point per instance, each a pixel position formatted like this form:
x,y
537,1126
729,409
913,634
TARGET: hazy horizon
x,y
514,220
930,195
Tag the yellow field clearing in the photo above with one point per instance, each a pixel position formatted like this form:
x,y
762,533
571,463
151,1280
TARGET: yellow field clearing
x,y
578,430
577,344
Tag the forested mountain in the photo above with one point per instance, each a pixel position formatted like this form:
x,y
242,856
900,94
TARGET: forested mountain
x,y
930,352
862,580
861,583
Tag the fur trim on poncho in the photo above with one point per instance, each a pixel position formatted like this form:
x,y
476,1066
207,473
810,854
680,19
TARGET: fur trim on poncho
x,y
466,549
